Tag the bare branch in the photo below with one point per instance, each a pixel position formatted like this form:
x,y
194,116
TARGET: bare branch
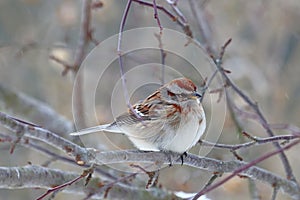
x,y
67,67
47,137
85,32
85,36
82,156
254,106
256,141
40,177
163,55
185,27
203,27
156,15
249,166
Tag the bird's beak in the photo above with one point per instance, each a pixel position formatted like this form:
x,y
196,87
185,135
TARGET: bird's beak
x,y
196,96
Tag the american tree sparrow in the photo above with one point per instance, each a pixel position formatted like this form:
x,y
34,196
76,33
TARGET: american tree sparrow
x,y
170,119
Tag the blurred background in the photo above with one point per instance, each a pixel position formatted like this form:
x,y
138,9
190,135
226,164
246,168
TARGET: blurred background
x,y
263,59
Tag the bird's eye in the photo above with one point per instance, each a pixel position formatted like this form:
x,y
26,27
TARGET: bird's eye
x,y
171,94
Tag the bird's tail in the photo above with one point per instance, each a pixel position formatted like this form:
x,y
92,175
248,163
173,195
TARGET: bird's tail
x,y
104,127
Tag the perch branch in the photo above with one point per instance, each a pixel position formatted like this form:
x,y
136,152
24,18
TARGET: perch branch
x,y
90,156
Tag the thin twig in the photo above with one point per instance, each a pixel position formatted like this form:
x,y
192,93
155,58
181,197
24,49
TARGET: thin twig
x,y
67,66
291,128
185,27
275,192
203,27
248,144
84,34
156,16
254,106
62,186
163,57
207,84
84,39
178,12
120,58
211,180
112,184
245,167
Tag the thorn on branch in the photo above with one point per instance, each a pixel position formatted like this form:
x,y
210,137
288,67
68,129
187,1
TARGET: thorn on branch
x,y
107,191
153,176
97,5
187,30
220,91
88,172
20,133
242,176
250,136
203,83
223,48
67,67
153,179
91,38
226,71
236,155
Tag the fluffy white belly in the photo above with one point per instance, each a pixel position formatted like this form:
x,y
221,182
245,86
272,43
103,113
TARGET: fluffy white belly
x,y
187,135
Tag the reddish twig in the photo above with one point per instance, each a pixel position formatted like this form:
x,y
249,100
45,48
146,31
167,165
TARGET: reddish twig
x,y
97,4
62,186
185,27
156,15
243,168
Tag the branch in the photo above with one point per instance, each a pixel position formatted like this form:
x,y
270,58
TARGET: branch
x,y
83,156
185,26
255,141
203,27
84,35
120,58
22,128
84,39
254,106
40,177
250,165
156,16
41,149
